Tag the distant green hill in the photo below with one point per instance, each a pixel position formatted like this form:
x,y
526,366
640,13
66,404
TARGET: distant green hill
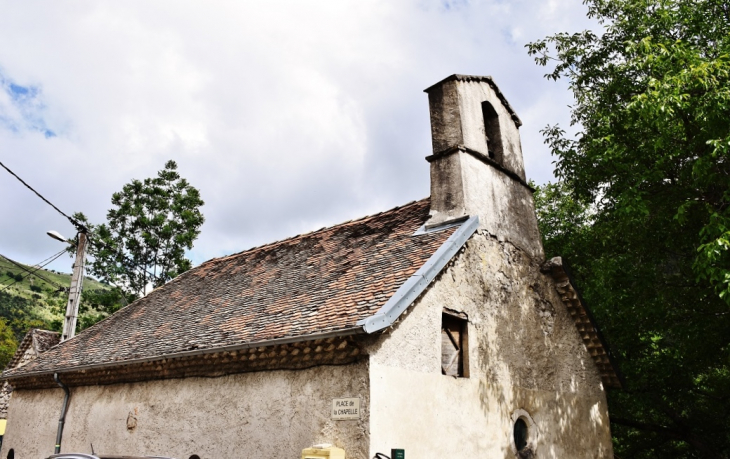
x,y
37,300
40,279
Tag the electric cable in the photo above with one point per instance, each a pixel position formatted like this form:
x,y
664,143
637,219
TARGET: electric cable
x,y
73,221
42,261
52,259
24,268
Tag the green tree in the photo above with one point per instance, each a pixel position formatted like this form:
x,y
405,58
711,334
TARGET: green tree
x,y
8,343
646,181
97,304
147,232
20,314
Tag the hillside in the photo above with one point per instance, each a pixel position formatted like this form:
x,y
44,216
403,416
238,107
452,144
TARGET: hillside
x,y
38,300
45,279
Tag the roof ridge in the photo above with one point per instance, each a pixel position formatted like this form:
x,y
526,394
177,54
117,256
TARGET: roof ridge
x,y
26,343
301,235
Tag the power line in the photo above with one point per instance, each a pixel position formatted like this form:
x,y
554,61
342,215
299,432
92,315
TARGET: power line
x,y
42,261
73,221
23,267
52,259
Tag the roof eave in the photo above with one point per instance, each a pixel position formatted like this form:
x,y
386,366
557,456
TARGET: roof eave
x,y
214,350
593,339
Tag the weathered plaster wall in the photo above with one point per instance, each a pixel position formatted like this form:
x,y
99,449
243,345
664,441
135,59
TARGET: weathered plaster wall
x,y
471,96
505,207
263,414
463,185
5,393
525,353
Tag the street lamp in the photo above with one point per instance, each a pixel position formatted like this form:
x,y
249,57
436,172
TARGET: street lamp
x,y
77,278
57,236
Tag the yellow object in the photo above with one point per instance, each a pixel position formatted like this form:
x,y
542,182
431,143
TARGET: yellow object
x,y
323,452
3,423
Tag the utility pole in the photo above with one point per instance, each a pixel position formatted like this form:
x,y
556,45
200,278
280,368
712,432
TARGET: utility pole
x,y
74,293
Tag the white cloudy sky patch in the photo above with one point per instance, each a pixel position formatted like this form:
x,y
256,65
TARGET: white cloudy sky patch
x,y
22,108
287,115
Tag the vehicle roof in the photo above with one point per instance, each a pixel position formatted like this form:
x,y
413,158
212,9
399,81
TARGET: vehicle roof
x,y
91,456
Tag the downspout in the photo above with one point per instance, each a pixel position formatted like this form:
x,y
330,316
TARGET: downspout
x,y
62,419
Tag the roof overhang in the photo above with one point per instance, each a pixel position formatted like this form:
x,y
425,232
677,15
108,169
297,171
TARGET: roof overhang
x,y
585,323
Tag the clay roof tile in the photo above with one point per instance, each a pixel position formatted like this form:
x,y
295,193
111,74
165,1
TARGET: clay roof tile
x,y
318,282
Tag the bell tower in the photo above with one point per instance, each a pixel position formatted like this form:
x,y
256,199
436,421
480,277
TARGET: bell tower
x,y
476,165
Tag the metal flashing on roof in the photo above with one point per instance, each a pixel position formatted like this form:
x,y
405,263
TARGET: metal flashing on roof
x,y
417,283
427,229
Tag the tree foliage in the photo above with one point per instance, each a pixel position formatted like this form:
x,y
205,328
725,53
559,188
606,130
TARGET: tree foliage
x,y
8,343
152,223
641,211
97,304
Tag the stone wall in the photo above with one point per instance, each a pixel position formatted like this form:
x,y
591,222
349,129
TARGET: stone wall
x,y
262,414
524,354
5,392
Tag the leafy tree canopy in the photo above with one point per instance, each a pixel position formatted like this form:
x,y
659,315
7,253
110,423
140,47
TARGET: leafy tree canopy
x,y
8,343
641,211
152,223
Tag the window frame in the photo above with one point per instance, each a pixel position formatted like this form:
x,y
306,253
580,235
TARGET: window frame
x,y
451,322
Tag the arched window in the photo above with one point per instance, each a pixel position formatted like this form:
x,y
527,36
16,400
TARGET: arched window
x,y
524,434
520,434
491,132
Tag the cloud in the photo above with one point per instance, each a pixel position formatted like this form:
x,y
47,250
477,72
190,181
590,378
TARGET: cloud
x,y
287,115
22,108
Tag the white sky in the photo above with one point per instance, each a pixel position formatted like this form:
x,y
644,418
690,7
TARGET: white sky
x,y
287,115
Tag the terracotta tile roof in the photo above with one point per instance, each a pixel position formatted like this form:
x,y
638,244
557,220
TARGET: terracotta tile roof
x,y
314,283
35,340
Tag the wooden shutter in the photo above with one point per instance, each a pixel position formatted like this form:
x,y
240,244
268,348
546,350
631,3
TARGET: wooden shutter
x,y
451,346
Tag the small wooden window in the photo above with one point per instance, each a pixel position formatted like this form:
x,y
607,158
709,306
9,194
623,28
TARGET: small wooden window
x,y
454,345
